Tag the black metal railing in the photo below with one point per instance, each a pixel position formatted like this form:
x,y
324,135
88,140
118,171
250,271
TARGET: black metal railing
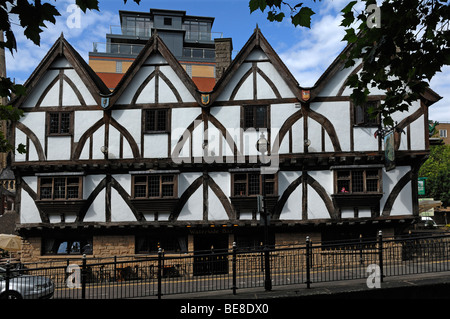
x,y
234,269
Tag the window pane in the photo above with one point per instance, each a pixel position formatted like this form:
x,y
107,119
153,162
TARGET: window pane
x,y
343,186
46,192
65,123
357,181
153,186
167,190
72,192
140,191
372,185
359,114
167,178
239,189
54,123
60,188
162,120
150,120
260,120
270,188
253,184
248,117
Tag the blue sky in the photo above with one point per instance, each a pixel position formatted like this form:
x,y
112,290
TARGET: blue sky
x,y
306,52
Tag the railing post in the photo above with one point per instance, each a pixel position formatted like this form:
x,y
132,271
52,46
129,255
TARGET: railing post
x,y
159,272
308,262
83,278
234,267
8,275
380,253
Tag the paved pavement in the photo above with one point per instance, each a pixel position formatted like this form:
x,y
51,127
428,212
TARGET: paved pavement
x,y
419,286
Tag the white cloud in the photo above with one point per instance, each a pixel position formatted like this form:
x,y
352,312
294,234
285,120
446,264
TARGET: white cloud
x,y
79,29
315,49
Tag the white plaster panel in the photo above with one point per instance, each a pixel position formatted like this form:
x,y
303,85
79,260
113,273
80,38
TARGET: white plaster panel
x,y
250,138
193,209
90,182
28,210
156,145
418,135
364,139
21,138
186,95
135,83
325,179
185,180
165,95
114,143
197,138
256,55
120,211
81,86
34,95
96,212
316,207
156,59
131,120
59,148
98,140
83,120
216,211
181,119
338,113
35,122
276,78
297,137
124,180
69,97
285,178
60,62
52,96
335,83
245,91
223,180
226,93
314,135
292,209
31,181
147,94
263,89
403,202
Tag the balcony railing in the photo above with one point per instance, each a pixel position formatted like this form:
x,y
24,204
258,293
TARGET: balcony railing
x,y
134,49
117,48
147,32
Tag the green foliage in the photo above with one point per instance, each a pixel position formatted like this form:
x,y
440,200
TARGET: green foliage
x,y
437,169
300,15
400,54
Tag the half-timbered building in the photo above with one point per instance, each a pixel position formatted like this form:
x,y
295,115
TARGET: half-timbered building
x,y
158,163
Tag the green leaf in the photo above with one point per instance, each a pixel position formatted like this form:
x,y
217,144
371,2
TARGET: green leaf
x,y
87,4
257,4
271,16
303,17
350,36
348,8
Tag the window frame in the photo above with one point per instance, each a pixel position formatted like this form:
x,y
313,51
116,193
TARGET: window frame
x,y
254,121
161,184
70,240
59,133
53,196
156,129
364,120
350,179
247,193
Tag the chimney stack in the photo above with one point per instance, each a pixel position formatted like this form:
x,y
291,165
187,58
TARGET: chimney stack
x,y
224,48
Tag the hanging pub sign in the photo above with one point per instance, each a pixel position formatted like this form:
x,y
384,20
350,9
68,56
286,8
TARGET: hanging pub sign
x,y
389,151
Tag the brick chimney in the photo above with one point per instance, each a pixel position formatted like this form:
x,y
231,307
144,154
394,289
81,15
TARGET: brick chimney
x,y
224,47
